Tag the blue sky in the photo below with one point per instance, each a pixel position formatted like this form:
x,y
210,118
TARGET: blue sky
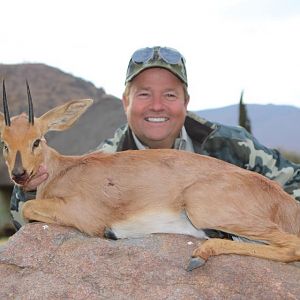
x,y
229,45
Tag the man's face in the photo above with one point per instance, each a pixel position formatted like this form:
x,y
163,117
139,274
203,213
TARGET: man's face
x,y
156,107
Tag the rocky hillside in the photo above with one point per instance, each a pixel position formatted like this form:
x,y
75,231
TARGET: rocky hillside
x,y
50,87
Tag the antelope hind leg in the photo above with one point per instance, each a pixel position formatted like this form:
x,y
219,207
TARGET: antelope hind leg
x,y
289,252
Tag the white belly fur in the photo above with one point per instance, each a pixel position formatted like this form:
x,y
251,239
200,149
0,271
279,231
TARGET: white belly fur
x,y
154,222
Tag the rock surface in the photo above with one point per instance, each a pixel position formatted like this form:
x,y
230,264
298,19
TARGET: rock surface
x,y
53,262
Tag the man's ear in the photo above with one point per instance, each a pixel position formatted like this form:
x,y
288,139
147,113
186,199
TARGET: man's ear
x,y
63,117
186,101
125,102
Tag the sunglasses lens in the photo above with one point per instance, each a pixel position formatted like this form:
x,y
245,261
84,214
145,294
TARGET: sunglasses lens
x,y
170,56
142,55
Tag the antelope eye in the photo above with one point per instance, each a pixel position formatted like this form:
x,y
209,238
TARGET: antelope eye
x,y
4,146
36,143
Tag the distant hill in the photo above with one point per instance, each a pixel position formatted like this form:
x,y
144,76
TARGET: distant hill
x,y
50,87
275,126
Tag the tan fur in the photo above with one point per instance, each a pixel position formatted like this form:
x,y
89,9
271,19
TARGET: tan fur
x,y
98,191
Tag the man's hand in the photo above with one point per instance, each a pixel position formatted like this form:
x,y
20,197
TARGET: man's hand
x,y
36,180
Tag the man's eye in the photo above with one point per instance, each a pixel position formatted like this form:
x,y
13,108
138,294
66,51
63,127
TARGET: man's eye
x,y
143,94
170,96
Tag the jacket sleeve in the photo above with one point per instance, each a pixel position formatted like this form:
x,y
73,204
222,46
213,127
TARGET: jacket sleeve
x,y
237,146
17,199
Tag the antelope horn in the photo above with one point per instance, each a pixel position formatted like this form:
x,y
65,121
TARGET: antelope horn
x,y
5,107
30,113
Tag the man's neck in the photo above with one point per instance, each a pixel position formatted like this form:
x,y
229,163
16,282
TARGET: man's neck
x,y
183,142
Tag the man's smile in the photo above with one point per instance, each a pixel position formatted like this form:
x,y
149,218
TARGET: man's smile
x,y
156,119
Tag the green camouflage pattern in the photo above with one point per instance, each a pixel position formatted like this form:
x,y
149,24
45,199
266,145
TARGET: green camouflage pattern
x,y
248,153
156,61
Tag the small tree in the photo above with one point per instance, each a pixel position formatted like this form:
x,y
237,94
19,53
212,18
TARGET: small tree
x,y
244,121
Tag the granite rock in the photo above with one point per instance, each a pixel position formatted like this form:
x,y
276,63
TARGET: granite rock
x,y
44,261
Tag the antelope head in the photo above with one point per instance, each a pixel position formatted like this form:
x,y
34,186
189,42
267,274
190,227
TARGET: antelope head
x,y
23,136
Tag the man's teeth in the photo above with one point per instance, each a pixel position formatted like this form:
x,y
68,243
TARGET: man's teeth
x,y
152,119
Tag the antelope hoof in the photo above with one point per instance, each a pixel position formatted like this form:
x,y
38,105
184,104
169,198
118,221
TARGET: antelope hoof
x,y
109,234
195,262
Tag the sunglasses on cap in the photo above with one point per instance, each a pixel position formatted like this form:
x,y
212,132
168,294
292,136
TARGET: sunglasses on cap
x,y
169,55
161,57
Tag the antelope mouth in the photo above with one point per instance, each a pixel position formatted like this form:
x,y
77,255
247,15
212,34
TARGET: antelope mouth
x,y
21,179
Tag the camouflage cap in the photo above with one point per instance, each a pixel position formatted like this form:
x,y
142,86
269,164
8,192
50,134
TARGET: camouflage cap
x,y
161,57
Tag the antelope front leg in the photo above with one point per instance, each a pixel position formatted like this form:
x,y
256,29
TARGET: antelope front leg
x,y
44,210
62,212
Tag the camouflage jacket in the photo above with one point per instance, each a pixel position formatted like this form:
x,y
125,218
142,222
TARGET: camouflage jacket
x,y
232,144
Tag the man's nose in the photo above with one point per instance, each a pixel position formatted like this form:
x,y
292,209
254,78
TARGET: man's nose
x,y
157,103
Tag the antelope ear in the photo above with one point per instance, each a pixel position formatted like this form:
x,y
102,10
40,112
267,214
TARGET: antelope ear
x,y
63,117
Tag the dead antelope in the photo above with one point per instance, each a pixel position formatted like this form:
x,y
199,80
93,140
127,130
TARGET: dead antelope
x,y
134,193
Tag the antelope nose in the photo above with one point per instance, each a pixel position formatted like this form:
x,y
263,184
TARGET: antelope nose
x,y
18,170
19,176
17,173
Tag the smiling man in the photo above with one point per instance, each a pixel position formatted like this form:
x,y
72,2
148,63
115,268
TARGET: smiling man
x,y
155,102
155,105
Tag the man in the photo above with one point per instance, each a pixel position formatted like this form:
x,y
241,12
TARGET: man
x,y
155,102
